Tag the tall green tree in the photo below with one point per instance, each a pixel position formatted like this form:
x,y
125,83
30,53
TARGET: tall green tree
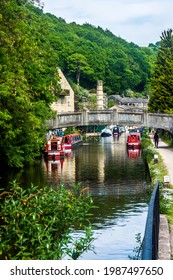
x,y
26,77
161,99
77,64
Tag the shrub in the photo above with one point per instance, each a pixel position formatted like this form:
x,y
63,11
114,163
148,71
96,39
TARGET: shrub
x,y
37,223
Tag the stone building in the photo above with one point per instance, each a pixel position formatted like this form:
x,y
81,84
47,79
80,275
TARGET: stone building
x,y
130,102
65,102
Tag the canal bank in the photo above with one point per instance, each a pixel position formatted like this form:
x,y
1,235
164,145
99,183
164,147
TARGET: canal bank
x,y
166,230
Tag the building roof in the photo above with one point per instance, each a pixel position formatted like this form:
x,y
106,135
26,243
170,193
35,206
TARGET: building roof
x,y
125,100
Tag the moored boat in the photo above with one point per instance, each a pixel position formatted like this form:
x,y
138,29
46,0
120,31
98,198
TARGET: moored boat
x,y
71,140
54,149
116,131
106,132
133,140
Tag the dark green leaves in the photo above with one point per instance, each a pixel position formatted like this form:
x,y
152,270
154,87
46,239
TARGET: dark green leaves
x,y
37,223
26,76
161,99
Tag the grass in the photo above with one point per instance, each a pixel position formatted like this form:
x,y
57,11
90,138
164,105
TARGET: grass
x,y
157,173
157,169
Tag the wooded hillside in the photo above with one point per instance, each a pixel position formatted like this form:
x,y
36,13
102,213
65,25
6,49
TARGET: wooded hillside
x,y
121,65
33,45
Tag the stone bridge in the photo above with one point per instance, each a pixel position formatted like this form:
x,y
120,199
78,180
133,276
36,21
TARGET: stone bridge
x,y
112,117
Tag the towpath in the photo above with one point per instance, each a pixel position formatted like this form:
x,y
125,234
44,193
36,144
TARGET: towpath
x,y
166,153
166,231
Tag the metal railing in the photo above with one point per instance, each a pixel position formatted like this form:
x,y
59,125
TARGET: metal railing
x,y
151,235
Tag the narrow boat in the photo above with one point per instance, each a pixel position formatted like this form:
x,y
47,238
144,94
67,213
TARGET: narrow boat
x,y
106,132
71,140
54,149
116,131
133,140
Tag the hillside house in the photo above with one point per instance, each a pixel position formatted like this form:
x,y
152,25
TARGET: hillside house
x,y
65,102
130,102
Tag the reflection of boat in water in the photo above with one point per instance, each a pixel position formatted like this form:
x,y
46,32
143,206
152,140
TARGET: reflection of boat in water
x,y
53,167
134,153
133,140
106,132
54,149
69,141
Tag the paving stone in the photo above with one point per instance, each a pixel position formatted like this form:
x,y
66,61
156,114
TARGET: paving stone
x,y
164,239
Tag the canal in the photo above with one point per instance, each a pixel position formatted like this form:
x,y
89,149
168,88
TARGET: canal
x,y
117,180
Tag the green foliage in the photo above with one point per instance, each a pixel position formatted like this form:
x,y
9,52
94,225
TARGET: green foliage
x,y
147,147
37,223
165,203
138,249
161,99
111,103
70,130
82,96
33,45
77,64
92,102
79,246
28,66
157,170
103,55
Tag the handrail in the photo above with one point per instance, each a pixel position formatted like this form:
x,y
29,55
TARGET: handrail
x,y
151,235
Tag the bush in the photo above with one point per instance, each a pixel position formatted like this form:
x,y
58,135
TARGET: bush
x,y
37,223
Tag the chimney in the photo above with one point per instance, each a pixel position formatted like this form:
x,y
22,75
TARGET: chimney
x,y
100,101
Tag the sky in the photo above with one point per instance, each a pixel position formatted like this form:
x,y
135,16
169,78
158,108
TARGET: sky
x,y
138,21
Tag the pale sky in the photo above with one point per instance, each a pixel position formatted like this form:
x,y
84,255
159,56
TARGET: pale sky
x,y
137,21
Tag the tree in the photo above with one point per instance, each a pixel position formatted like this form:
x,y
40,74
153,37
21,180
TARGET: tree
x,y
161,99
77,64
26,75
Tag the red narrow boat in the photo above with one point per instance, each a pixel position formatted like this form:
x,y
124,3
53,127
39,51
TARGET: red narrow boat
x,y
71,140
133,140
54,149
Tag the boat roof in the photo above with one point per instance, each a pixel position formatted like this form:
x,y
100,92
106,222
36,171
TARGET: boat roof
x,y
134,133
72,134
54,139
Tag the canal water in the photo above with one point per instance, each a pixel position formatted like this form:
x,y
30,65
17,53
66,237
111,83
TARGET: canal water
x,y
117,180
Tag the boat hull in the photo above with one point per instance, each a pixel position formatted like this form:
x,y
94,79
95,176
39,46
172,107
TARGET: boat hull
x,y
54,155
104,134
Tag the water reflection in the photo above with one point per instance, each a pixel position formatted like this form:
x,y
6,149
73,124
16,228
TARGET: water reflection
x,y
115,233
106,167
116,222
133,153
117,180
